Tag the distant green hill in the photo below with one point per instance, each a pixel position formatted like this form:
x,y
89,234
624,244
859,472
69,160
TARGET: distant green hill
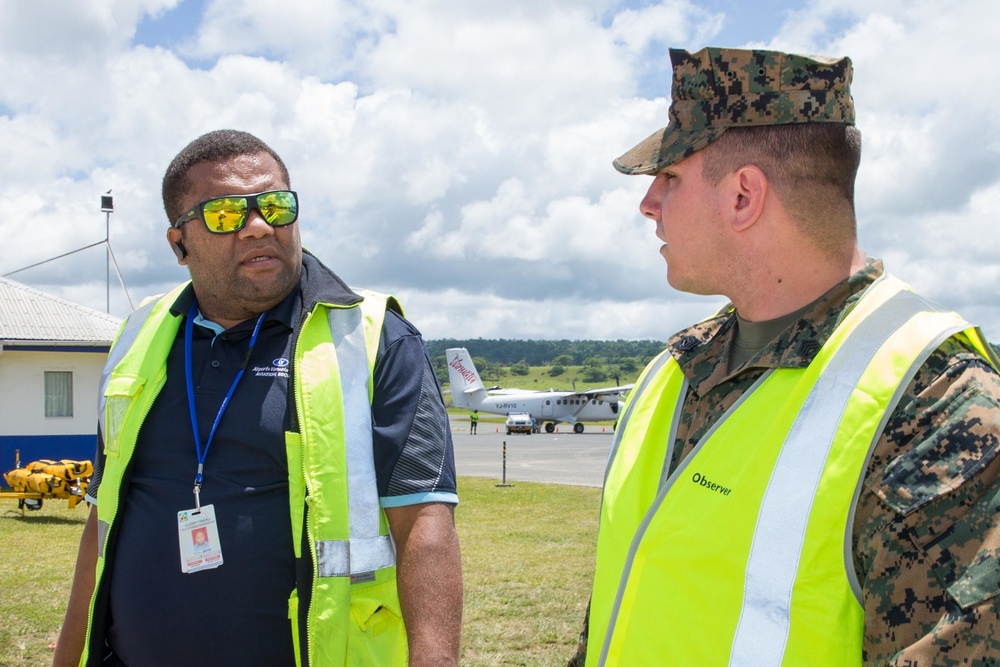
x,y
553,364
543,352
541,364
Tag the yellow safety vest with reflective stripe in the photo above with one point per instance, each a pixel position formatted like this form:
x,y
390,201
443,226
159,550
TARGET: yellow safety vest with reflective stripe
x,y
354,615
742,555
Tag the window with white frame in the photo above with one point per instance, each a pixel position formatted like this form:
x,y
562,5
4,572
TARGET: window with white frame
x,y
58,393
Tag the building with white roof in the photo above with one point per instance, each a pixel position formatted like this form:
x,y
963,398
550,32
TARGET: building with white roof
x,y
51,355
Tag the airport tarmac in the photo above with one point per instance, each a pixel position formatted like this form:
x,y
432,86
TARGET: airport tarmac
x,y
559,458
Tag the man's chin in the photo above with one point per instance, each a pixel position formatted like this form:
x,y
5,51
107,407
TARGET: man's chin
x,y
268,290
688,284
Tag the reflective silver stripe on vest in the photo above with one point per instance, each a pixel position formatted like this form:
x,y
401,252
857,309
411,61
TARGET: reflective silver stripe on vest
x,y
763,628
102,536
366,550
929,348
130,331
762,632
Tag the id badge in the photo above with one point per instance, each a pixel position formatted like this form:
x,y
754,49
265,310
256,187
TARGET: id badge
x,y
199,539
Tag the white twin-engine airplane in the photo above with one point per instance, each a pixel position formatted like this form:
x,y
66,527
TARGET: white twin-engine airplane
x,y
551,407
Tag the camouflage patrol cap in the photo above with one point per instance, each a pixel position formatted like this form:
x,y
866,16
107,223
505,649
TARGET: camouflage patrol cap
x,y
715,89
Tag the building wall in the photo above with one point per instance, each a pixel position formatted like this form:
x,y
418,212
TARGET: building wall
x,y
23,424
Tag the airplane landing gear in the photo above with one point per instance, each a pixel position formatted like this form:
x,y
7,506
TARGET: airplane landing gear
x,y
578,428
550,427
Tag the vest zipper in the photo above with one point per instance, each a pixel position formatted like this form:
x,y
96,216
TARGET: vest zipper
x,y
103,588
297,397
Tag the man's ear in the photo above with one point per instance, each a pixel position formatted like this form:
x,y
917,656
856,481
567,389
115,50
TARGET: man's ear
x,y
750,193
174,238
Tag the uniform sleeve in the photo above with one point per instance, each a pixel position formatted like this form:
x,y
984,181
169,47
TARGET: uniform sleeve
x,y
928,524
414,454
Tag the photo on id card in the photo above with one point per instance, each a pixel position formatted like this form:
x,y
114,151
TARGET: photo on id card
x,y
198,535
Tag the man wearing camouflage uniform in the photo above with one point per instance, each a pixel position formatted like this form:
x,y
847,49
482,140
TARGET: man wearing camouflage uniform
x,y
810,477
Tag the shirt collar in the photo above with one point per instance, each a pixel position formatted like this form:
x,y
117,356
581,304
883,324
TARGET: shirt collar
x,y
317,283
284,313
703,349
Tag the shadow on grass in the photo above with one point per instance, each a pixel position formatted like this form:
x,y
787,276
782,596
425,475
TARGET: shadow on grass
x,y
32,518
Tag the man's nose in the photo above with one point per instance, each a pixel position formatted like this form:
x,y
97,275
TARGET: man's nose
x,y
256,226
650,206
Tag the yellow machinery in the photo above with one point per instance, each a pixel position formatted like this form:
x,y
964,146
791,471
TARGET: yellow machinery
x,y
46,479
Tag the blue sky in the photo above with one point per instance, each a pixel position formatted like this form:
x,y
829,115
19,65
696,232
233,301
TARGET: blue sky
x,y
170,27
458,154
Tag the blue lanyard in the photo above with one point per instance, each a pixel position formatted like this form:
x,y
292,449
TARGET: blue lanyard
x,y
203,453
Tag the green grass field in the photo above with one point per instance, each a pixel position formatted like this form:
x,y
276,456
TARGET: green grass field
x,y
527,553
37,555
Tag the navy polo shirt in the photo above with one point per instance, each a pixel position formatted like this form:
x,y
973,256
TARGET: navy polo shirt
x,y
238,613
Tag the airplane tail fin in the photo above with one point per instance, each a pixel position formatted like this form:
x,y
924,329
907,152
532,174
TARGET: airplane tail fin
x,y
464,379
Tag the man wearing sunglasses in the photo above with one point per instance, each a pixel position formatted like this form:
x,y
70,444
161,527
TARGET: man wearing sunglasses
x,y
296,422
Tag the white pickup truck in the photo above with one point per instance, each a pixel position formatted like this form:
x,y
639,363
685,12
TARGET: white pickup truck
x,y
519,422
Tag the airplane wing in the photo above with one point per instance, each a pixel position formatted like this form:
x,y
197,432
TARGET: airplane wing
x,y
606,391
605,394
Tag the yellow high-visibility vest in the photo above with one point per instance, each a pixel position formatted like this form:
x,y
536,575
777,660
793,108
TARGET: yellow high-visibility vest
x,y
742,555
354,615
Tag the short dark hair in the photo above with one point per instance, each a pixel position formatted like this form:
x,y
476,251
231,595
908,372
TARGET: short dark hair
x,y
211,147
811,167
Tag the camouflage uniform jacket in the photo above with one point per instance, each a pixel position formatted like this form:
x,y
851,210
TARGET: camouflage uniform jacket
x,y
926,534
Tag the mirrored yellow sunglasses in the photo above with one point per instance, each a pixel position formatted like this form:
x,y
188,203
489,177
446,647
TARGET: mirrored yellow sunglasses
x,y
225,215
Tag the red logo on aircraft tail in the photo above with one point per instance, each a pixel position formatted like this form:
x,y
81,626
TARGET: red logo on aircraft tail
x,y
470,376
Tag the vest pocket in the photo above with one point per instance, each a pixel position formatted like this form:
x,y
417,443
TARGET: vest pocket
x,y
377,635
119,401
293,616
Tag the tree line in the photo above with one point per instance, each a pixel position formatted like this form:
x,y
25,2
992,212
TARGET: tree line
x,y
542,352
601,359
508,352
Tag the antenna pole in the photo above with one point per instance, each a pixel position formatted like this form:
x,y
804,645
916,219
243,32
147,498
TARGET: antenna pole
x,y
107,206
107,261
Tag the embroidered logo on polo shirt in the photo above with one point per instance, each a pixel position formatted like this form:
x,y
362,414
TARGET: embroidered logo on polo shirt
x,y
277,368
